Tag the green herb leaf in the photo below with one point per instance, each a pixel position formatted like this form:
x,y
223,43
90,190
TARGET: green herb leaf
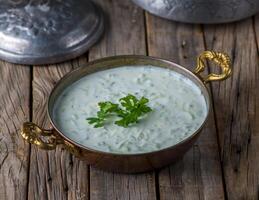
x,y
131,112
98,122
106,109
134,109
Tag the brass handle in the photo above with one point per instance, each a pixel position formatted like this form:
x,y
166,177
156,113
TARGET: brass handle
x,y
220,59
34,134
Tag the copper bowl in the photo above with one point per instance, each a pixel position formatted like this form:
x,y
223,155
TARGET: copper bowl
x,y
126,163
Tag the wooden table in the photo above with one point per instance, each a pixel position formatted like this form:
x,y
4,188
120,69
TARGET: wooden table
x,y
223,164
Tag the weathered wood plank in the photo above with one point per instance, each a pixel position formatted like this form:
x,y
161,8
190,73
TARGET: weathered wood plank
x,y
236,107
125,35
14,109
198,174
55,174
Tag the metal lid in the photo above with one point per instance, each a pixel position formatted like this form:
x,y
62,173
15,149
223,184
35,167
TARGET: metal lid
x,y
42,32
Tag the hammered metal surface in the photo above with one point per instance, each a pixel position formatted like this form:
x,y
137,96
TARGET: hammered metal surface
x,y
201,11
47,31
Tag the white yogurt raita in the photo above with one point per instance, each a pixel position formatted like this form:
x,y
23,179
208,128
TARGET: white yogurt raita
x,y
179,109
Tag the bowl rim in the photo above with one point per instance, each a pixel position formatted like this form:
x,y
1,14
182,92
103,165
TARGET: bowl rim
x,y
92,64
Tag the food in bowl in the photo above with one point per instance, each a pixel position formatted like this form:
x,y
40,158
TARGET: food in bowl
x,y
178,109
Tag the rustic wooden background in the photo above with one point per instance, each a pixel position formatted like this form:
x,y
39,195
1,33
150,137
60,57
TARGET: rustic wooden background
x,y
223,164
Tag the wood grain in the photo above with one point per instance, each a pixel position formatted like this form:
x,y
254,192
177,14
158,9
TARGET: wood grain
x,y
14,109
55,174
198,174
226,154
125,35
236,104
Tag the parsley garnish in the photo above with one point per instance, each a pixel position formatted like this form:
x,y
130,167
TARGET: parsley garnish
x,y
130,112
106,109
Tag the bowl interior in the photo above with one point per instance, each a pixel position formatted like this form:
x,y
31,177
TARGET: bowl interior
x,y
118,61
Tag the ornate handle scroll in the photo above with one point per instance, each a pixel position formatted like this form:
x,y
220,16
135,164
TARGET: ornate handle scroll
x,y
221,59
33,134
